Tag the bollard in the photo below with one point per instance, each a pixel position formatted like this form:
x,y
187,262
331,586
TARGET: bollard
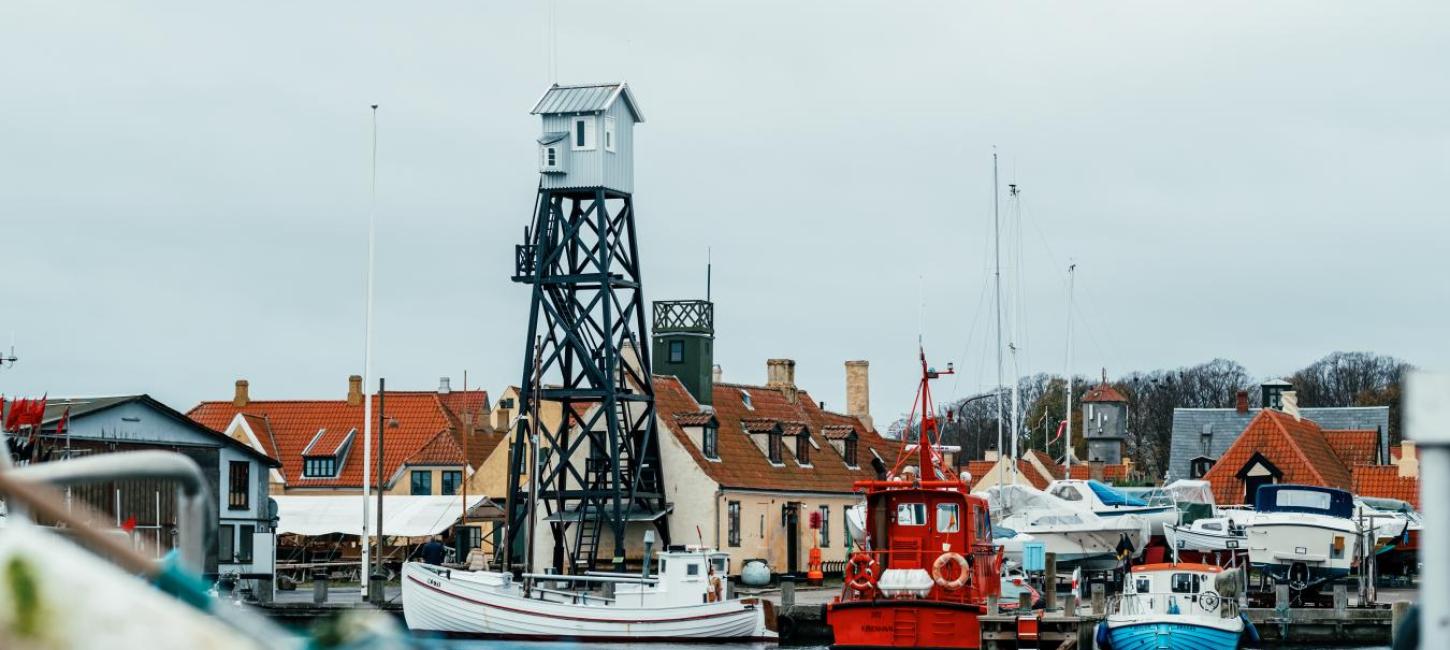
x,y
1398,610
992,605
1069,604
1100,599
1281,599
787,592
1049,585
1341,600
1024,601
319,587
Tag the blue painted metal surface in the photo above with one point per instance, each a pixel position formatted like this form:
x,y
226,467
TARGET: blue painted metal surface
x,y
1170,636
1034,556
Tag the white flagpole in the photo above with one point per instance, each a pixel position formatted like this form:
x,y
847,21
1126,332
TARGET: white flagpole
x,y
368,362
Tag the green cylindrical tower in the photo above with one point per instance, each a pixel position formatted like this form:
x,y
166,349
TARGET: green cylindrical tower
x,y
684,344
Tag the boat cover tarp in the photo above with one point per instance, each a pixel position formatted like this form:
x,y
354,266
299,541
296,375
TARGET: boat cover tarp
x,y
1112,497
1184,490
403,515
1313,499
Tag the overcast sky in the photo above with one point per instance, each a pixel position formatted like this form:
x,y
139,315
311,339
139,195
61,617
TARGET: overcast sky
x,y
183,186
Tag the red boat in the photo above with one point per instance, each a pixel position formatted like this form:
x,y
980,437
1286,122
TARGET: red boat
x,y
926,565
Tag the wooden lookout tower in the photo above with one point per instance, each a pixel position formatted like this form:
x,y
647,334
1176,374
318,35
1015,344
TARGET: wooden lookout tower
x,y
598,465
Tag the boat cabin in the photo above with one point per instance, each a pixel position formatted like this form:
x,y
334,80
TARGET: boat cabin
x,y
1310,499
1098,495
921,525
1183,588
682,575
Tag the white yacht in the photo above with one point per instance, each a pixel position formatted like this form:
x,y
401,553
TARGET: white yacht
x,y
685,599
1079,538
1107,501
1303,534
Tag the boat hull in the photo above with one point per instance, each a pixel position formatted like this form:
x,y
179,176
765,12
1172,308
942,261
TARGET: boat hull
x,y
459,604
1168,632
1302,547
904,624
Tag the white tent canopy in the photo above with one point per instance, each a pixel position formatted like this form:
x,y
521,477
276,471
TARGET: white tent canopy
x,y
407,516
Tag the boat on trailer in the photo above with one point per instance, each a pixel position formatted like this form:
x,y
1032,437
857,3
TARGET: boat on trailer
x,y
926,564
684,600
1303,534
1173,607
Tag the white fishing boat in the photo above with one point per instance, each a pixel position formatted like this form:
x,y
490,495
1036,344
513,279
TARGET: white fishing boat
x,y
1104,500
1172,607
1078,537
1225,532
684,599
1302,534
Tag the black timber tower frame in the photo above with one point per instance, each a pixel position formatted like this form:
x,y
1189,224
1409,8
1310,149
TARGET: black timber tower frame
x,y
600,462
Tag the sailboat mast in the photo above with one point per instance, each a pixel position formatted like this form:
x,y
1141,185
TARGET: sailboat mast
x,y
1012,340
997,279
1067,409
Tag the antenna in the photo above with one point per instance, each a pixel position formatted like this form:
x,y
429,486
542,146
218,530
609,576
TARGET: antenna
x,y
10,358
709,262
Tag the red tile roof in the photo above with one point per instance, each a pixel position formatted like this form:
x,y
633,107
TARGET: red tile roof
x,y
1111,473
742,465
1297,447
1384,481
421,415
1354,447
979,468
260,428
694,419
837,431
441,450
1103,393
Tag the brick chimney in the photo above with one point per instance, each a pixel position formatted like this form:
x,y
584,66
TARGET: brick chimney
x,y
354,390
1241,401
1409,464
858,390
780,373
241,398
717,373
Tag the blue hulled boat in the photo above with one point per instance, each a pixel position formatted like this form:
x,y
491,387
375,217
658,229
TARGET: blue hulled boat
x,y
1172,607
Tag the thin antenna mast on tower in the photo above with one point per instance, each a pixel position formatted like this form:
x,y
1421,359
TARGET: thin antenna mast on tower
x,y
368,355
709,267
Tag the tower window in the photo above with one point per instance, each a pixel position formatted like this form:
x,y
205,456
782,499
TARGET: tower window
x,y
550,158
583,133
608,133
677,351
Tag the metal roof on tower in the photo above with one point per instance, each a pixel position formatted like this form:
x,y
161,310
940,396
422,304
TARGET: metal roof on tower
x,y
588,98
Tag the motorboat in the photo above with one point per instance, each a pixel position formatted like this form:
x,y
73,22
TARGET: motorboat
x,y
1078,537
1224,532
1173,607
1303,534
684,599
1104,500
926,565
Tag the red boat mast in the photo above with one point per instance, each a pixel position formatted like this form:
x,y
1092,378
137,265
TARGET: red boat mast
x,y
928,454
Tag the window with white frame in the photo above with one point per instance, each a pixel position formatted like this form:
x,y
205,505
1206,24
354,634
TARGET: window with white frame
x,y
825,526
583,133
609,133
549,157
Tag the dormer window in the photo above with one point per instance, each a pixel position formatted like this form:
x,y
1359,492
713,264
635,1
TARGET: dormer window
x,y
776,448
745,398
325,454
325,467
803,447
582,134
711,446
851,451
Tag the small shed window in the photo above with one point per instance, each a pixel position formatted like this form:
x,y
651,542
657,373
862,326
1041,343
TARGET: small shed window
x,y
677,351
549,157
583,133
609,133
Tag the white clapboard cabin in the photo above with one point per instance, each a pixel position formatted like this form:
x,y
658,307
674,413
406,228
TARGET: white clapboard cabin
x,y
588,137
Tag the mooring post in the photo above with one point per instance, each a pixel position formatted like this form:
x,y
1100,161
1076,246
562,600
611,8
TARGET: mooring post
x,y
1024,601
992,605
1341,600
1398,610
1050,583
1281,600
787,592
1100,599
319,587
1069,604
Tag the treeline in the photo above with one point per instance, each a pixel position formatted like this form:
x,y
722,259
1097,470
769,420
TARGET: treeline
x,y
1339,379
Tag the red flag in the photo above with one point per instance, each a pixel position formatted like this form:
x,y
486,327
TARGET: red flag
x,y
17,407
130,524
2,413
64,421
37,412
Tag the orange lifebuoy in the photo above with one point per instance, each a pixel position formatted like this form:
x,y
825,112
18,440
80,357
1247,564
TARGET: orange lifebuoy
x,y
861,572
963,571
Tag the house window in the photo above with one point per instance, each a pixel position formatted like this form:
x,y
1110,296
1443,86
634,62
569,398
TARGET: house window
x,y
244,545
851,451
319,467
712,442
825,526
421,483
226,543
583,133
803,448
608,133
775,447
677,351
451,480
239,485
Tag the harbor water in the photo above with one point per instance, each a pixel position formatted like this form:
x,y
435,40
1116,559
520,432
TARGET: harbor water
x,y
457,644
